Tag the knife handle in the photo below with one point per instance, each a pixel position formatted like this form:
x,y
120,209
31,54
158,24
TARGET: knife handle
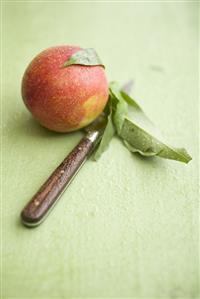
x,y
42,202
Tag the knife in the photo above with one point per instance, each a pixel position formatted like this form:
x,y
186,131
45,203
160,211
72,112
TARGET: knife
x,y
47,196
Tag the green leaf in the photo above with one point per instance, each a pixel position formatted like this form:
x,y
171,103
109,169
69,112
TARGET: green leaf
x,y
138,132
130,101
106,138
120,107
113,110
119,115
139,140
147,153
87,57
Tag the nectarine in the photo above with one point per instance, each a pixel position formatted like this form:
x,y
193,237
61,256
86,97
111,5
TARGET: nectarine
x,y
63,99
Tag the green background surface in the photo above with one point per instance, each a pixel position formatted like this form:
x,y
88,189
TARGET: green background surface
x,y
126,226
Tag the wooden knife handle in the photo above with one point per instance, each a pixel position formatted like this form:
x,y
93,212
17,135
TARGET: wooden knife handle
x,y
42,202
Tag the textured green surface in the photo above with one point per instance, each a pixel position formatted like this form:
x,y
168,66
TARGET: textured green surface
x,y
126,226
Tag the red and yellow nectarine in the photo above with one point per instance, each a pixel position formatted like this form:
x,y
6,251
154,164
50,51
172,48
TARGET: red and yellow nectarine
x,y
63,99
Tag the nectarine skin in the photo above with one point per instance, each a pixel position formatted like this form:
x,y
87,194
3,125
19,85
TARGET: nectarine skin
x,y
63,99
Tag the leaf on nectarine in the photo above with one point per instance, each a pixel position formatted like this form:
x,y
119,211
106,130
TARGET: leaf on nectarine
x,y
87,57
